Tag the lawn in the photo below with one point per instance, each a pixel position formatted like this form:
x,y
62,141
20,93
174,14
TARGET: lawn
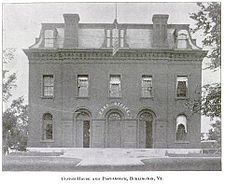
x,y
57,163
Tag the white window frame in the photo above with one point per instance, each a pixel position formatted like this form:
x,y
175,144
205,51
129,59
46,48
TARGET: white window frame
x,y
119,85
110,34
49,36
43,86
181,78
142,87
78,90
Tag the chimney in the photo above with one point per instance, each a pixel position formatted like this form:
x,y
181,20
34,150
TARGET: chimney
x,y
71,30
160,30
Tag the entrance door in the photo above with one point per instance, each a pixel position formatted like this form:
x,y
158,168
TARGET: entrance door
x,y
114,130
86,134
145,130
82,130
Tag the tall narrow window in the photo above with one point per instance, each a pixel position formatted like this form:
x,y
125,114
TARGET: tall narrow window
x,y
48,85
82,84
121,38
49,38
181,128
108,38
146,86
115,86
115,37
182,86
47,133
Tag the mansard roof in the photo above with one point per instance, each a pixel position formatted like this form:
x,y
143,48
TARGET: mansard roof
x,y
75,35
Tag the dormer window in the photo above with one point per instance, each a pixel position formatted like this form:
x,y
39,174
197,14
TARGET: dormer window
x,y
49,36
115,35
108,38
122,38
182,41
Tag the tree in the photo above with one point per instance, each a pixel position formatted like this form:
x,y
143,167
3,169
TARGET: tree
x,y
215,133
15,118
15,122
208,21
9,80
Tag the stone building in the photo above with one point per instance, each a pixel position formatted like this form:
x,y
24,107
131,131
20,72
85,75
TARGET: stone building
x,y
114,85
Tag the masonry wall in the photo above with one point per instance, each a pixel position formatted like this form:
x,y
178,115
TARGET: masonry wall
x,y
65,102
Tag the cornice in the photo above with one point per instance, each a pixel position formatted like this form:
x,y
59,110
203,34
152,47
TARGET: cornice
x,y
122,54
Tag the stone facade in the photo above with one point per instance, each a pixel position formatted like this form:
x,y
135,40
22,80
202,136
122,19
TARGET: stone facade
x,y
153,56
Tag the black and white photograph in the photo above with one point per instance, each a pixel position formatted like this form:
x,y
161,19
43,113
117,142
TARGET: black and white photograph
x,y
111,87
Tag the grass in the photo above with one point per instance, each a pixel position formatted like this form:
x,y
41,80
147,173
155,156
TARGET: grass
x,y
183,164
36,153
56,163
38,163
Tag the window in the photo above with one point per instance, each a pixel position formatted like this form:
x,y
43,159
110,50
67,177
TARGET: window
x,y
47,133
182,41
121,38
82,85
115,86
108,38
182,86
49,38
48,85
114,116
115,35
181,128
146,86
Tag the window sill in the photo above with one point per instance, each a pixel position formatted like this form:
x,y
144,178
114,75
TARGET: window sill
x,y
47,141
82,97
181,98
145,97
112,97
182,142
47,97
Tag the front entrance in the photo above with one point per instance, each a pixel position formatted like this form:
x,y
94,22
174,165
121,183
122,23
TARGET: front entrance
x,y
145,130
114,130
82,130
86,134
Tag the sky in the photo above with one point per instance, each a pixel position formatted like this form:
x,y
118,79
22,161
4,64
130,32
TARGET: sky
x,y
22,24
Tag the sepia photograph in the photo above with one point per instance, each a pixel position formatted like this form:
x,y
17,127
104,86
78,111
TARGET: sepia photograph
x,y
111,87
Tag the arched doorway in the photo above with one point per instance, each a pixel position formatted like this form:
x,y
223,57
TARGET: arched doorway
x,y
145,124
83,129
114,129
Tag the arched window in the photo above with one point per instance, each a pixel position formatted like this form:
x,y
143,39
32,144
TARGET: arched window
x,y
114,116
47,132
181,128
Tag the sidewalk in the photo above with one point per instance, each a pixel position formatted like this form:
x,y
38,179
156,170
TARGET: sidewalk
x,y
111,157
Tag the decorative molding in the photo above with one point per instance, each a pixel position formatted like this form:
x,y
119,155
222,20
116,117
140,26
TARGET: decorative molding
x,y
122,54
